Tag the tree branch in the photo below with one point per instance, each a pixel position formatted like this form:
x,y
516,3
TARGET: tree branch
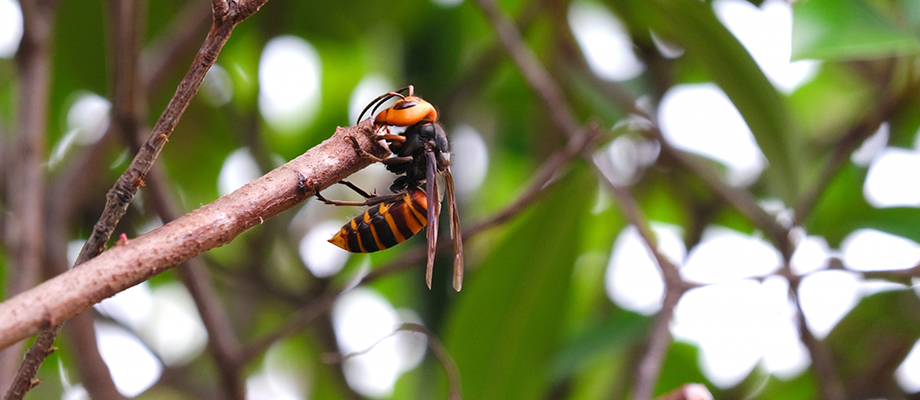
x,y
212,225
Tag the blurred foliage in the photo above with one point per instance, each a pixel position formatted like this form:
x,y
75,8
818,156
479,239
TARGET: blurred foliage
x,y
533,320
870,342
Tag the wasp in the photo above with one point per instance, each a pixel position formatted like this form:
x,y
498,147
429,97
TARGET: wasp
x,y
421,155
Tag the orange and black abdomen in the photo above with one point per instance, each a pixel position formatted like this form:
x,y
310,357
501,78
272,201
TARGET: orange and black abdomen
x,y
385,225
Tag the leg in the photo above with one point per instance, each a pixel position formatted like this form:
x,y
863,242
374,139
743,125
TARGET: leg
x,y
338,202
305,186
396,160
358,190
367,202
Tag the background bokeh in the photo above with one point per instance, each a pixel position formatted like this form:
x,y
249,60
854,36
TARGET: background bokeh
x,y
771,149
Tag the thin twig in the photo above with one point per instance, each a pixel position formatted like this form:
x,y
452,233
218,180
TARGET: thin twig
x,y
649,366
447,362
222,342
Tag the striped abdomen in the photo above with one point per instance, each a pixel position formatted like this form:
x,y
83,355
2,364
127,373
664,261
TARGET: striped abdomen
x,y
385,225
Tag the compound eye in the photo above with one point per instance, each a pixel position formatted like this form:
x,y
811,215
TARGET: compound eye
x,y
404,104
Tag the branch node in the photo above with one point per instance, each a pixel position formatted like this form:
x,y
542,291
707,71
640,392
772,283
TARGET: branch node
x,y
305,185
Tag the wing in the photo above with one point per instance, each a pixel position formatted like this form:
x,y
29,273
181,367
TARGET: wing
x,y
454,230
434,208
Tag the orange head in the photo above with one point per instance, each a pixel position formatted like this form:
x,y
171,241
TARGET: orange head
x,y
408,110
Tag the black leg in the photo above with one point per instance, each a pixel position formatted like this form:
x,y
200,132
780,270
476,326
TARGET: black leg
x,y
396,160
358,190
373,200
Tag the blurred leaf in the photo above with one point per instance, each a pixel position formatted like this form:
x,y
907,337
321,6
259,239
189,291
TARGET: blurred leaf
x,y
587,296
802,387
605,378
622,329
693,25
846,29
830,103
904,126
872,341
668,203
240,57
681,366
509,319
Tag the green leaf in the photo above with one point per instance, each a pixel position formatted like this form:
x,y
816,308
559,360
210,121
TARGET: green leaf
x,y
846,29
832,102
507,325
621,330
693,25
